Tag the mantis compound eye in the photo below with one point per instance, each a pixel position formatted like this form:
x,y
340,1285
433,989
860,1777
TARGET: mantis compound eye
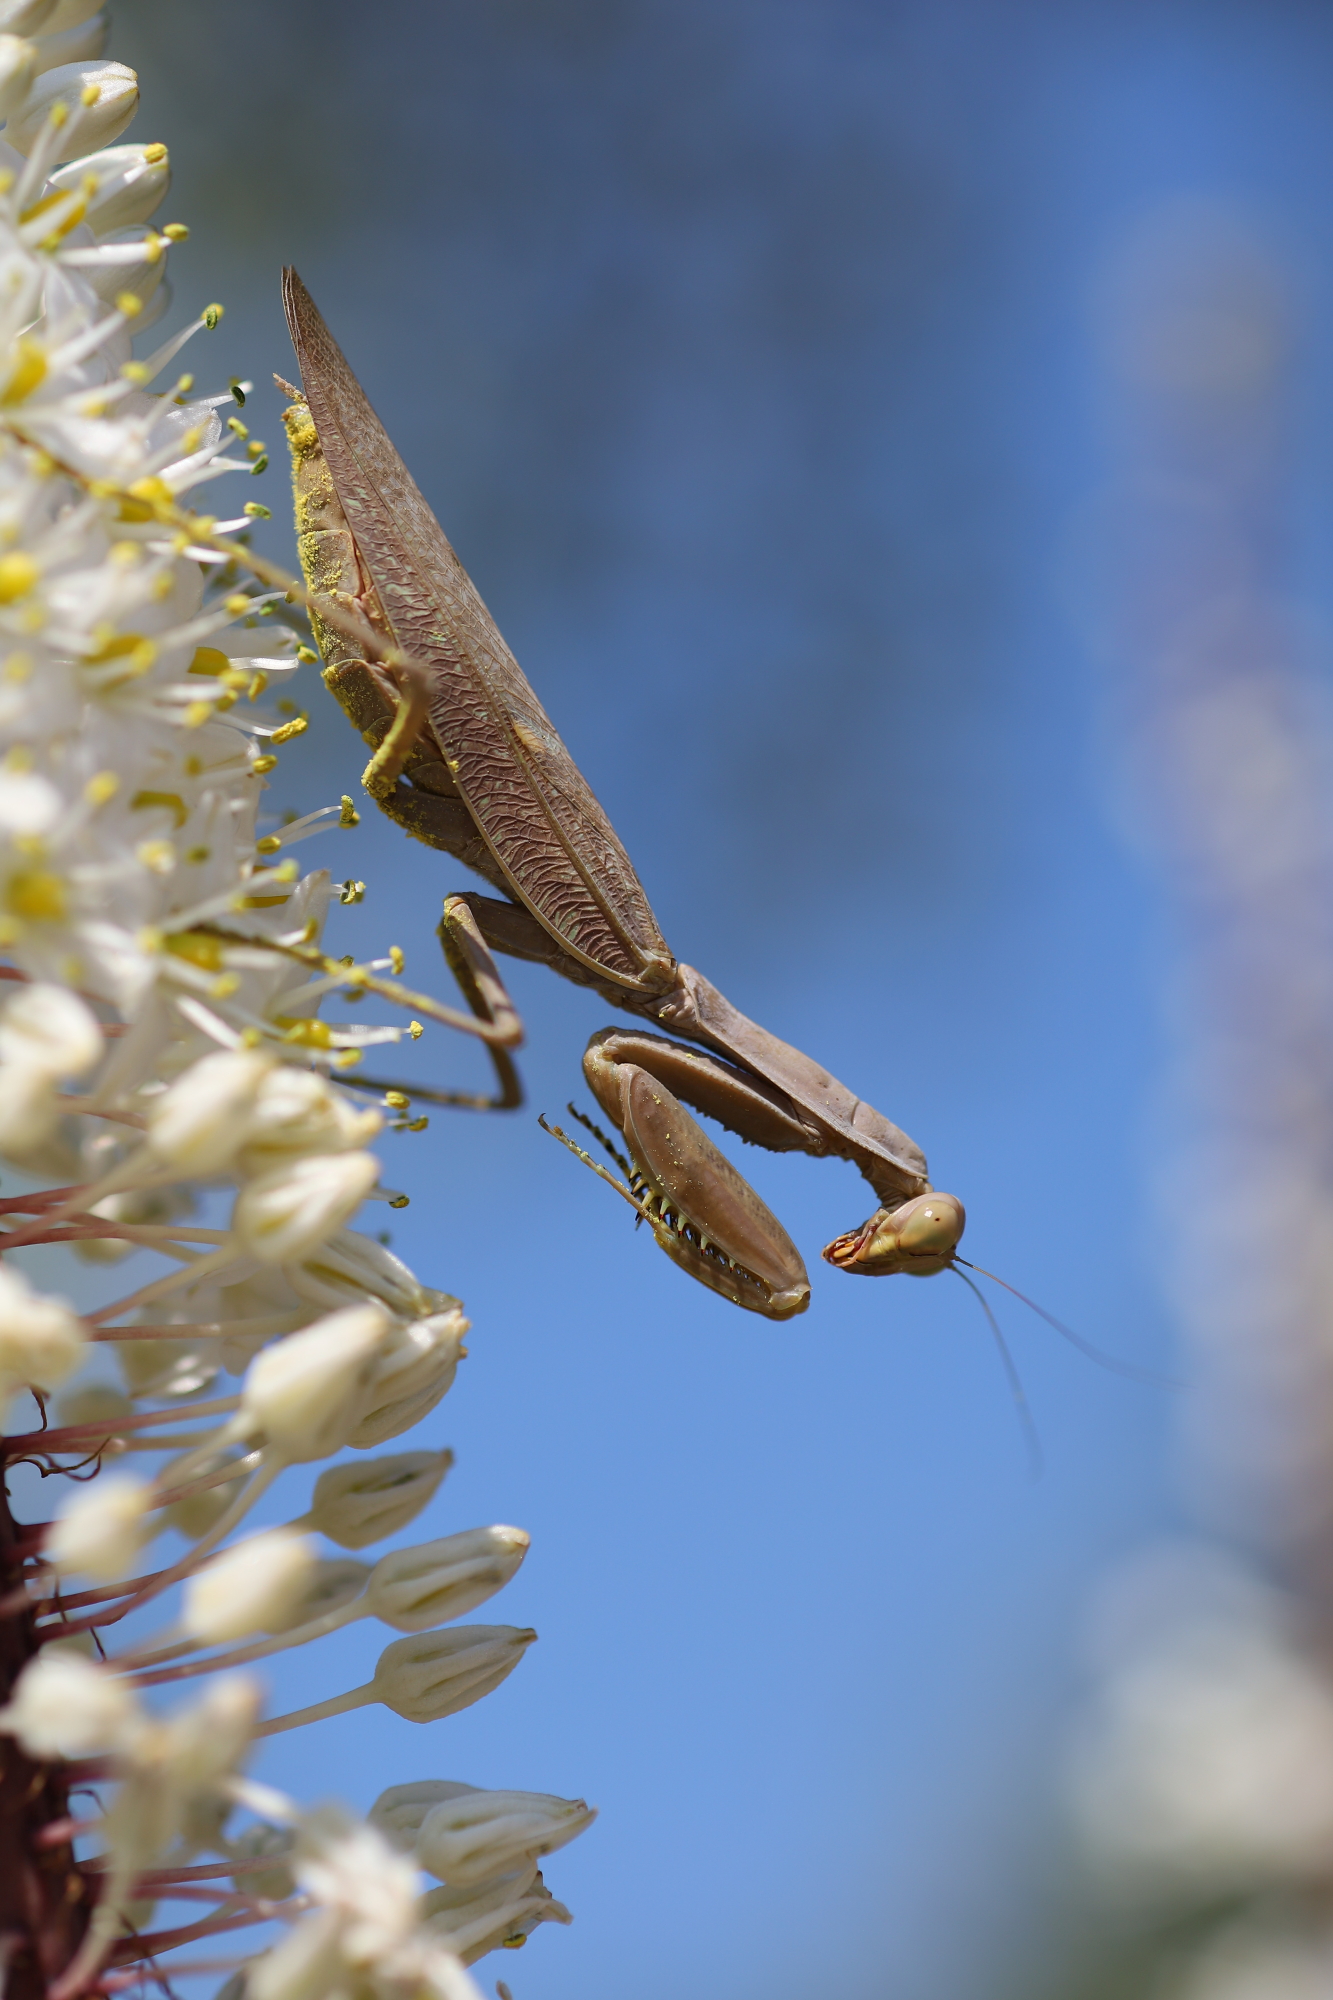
x,y
919,1237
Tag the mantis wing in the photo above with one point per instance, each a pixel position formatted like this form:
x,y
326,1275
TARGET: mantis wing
x,y
552,840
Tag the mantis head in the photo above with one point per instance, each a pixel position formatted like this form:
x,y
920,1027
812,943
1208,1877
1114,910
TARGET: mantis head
x,y
920,1237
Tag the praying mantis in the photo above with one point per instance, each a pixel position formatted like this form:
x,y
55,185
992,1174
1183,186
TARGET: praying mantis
x,y
467,760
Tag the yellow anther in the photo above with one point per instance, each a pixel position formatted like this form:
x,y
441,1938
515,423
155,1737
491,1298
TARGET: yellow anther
x,y
125,555
225,984
6,179
171,801
257,510
306,656
297,727
237,605
351,892
225,701
153,247
41,465
194,767
27,371
347,1059
198,948
397,960
262,765
33,619
18,669
397,1100
241,430
416,1030
163,585
347,813
255,687
212,314
416,1125
90,94
18,575
400,1201
286,871
129,303
197,712
101,788
155,154
146,499
192,440
157,855
208,660
37,895
270,844
306,1034
18,758
254,447
134,371
250,1038
184,384
58,114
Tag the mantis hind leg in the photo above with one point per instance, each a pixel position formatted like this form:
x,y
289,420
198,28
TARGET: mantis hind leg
x,y
469,959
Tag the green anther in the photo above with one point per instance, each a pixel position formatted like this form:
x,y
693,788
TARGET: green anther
x,y
349,816
212,314
261,463
305,654
237,391
400,1201
257,510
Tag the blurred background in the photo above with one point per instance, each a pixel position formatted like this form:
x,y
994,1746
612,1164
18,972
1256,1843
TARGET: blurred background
x,y
895,441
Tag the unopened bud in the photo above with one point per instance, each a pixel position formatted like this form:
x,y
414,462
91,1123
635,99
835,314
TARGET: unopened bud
x,y
248,1586
50,1029
415,1369
100,1530
474,1920
400,1812
283,1216
472,1837
18,67
304,1395
331,1585
298,1112
415,1589
355,1505
351,1267
438,1673
89,121
24,17
42,1341
199,1123
258,1843
198,1512
66,1706
207,1741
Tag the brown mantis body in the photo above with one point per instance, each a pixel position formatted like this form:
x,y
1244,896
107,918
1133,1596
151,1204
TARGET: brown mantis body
x,y
467,760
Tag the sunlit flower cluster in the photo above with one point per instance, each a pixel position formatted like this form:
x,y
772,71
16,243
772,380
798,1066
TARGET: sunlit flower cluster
x,y
162,1060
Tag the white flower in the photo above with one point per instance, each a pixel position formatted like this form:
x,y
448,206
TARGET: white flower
x,y
414,1589
478,1834
131,185
42,1341
355,1505
88,125
297,1112
350,1869
65,1706
51,1030
303,1397
437,1673
247,1588
415,1368
200,1123
101,1528
282,1216
476,1919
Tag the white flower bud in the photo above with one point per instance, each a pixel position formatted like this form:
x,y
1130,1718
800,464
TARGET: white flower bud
x,y
50,1029
415,1369
248,1586
351,1267
68,14
331,1584
282,1216
129,187
29,1112
477,1835
306,1964
304,1395
415,1589
197,1512
83,44
200,1122
100,1530
437,1673
167,1367
24,17
299,1112
257,1843
65,1706
18,67
87,126
206,1742
355,1505
475,1920
95,1403
41,1340
400,1812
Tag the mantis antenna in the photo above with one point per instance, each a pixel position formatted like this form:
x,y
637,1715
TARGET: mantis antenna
x,y
1016,1390
1097,1354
